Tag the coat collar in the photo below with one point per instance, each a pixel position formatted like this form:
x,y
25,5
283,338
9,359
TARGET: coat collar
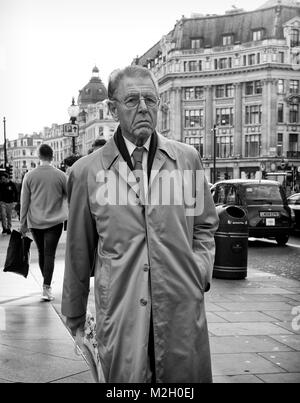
x,y
111,152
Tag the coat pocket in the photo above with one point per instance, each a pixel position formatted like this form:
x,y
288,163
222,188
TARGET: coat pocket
x,y
104,282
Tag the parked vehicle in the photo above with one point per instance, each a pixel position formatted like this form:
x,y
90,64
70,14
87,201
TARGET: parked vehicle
x,y
294,204
265,202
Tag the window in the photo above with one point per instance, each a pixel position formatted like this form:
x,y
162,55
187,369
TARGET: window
x,y
258,58
244,60
227,40
196,43
251,59
294,113
197,142
224,117
280,113
252,145
257,35
224,91
281,57
253,114
293,142
223,63
294,86
193,118
253,87
193,65
101,114
193,92
199,92
280,86
224,146
279,144
295,38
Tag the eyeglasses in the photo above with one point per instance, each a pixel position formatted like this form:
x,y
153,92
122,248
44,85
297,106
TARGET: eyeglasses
x,y
134,100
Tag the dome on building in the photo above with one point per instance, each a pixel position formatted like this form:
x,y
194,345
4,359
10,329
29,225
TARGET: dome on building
x,y
94,91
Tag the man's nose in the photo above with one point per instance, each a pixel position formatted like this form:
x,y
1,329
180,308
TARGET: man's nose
x,y
142,105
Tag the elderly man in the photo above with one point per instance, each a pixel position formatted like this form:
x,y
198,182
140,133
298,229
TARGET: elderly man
x,y
142,218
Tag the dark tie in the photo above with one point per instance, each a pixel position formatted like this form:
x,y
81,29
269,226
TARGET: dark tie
x,y
138,169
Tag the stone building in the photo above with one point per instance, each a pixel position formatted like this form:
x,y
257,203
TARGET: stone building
x,y
233,80
94,119
22,153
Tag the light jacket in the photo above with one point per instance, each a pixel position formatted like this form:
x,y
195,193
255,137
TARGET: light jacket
x,y
143,255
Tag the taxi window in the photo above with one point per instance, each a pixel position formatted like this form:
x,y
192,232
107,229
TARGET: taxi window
x,y
263,193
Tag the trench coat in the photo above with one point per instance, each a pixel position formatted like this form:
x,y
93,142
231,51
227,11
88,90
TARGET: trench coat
x,y
157,255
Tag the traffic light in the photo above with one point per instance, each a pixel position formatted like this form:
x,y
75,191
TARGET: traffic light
x,y
10,171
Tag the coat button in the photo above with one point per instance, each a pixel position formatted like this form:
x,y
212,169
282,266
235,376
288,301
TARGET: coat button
x,y
143,302
146,267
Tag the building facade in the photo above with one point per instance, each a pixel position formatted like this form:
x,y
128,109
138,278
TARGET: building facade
x,y
230,86
22,153
94,119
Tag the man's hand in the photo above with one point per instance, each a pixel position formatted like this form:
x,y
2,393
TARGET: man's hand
x,y
23,230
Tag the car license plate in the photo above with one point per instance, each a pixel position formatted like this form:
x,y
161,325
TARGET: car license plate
x,y
269,214
270,221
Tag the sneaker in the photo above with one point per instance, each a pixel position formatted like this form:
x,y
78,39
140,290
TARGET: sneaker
x,y
8,231
47,293
4,231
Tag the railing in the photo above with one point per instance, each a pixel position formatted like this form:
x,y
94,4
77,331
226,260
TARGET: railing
x,y
293,154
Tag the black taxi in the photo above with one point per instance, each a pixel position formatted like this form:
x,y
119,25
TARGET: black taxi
x,y
265,202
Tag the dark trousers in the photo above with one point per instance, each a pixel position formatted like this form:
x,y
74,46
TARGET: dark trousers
x,y
46,241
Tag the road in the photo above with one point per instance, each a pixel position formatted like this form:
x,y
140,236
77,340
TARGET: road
x,y
266,255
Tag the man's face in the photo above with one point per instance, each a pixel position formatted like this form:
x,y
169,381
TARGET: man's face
x,y
137,122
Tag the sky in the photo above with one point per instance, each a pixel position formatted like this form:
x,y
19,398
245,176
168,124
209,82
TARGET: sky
x,y
48,49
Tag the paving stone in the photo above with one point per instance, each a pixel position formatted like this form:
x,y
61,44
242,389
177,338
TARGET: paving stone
x,y
290,361
84,377
214,318
255,306
257,298
35,367
237,379
58,347
245,329
246,317
280,378
282,316
246,344
243,364
210,307
292,340
295,297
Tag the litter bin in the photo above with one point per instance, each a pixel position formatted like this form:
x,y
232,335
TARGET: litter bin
x,y
231,243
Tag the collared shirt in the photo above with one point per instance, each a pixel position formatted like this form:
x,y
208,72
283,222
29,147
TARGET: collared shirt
x,y
131,147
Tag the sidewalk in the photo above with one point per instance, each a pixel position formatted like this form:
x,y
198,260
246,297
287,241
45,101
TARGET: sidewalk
x,y
250,323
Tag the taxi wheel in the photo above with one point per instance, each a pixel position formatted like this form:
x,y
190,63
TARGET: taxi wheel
x,y
282,240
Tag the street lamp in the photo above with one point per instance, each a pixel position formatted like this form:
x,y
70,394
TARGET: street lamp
x,y
4,145
73,111
215,153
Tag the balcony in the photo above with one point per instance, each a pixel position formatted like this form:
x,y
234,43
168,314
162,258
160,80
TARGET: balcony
x,y
293,154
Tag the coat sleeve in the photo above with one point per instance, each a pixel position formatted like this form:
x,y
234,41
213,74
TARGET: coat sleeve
x,y
81,245
25,201
205,226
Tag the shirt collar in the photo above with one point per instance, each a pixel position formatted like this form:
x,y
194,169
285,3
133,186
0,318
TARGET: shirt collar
x,y
131,146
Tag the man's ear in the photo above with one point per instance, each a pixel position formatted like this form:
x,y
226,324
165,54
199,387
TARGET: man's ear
x,y
113,110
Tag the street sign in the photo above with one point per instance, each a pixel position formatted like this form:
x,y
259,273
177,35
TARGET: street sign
x,y
70,130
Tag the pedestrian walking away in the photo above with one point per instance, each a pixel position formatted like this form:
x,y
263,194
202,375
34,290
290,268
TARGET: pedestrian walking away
x,y
142,221
43,211
8,196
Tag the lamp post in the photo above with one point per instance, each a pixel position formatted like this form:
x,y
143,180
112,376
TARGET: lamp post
x,y
73,111
215,153
4,145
